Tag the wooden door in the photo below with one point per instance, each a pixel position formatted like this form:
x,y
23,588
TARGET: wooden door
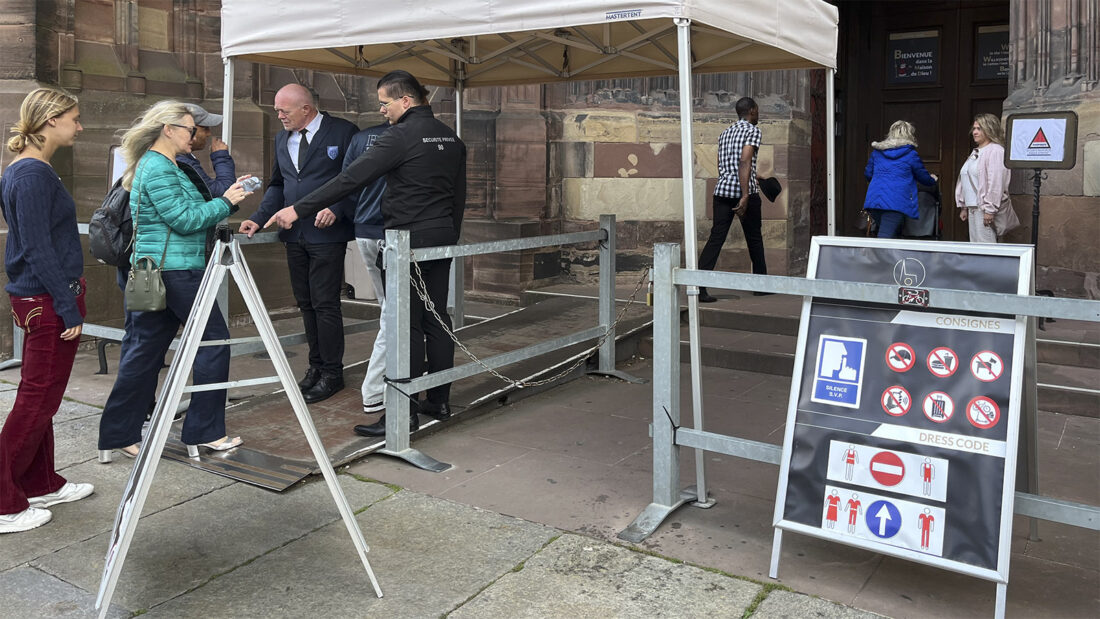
x,y
925,62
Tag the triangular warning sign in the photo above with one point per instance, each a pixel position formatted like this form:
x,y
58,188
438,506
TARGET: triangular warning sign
x,y
1039,141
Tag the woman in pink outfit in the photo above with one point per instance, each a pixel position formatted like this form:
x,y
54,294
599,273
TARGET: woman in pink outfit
x,y
982,190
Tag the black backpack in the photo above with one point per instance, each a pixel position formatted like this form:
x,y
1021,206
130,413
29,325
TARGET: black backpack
x,y
111,229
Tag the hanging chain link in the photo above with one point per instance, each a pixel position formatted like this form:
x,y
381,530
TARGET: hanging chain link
x,y
422,291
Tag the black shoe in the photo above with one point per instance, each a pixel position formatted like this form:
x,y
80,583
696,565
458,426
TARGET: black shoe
x,y
312,376
705,297
378,428
324,389
438,411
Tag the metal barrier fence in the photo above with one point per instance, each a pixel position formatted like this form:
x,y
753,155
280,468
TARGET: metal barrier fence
x,y
398,257
237,347
668,437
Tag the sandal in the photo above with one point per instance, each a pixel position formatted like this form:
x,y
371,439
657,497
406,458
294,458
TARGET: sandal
x,y
105,454
223,444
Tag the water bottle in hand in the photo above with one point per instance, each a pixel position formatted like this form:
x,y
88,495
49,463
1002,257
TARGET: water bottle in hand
x,y
252,183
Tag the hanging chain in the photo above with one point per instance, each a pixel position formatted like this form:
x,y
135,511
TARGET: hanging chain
x,y
422,291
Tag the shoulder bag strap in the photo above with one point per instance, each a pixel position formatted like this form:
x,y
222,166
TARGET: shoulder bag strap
x,y
133,239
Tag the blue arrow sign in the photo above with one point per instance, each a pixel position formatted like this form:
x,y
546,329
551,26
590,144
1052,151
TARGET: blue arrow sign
x,y
883,519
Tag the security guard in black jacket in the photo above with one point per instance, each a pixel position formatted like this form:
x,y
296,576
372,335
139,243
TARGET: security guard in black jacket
x,y
424,163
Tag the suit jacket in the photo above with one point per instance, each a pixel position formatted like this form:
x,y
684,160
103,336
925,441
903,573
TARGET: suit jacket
x,y
324,160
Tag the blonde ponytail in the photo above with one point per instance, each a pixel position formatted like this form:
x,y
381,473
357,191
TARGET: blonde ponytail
x,y
39,106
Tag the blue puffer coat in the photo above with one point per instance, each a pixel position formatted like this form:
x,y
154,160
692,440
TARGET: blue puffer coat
x,y
894,168
171,207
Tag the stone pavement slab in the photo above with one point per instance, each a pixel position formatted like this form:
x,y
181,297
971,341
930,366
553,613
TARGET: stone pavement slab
x,y
430,557
184,546
94,516
789,605
580,577
27,592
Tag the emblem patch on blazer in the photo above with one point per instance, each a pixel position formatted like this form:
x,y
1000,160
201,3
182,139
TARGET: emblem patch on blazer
x,y
333,151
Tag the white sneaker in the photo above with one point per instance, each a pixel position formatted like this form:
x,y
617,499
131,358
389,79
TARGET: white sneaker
x,y
25,520
67,494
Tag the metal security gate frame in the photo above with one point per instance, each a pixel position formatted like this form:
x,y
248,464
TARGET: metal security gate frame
x,y
398,258
668,278
237,347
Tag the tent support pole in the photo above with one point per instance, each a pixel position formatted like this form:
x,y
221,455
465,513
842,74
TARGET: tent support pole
x,y
683,39
227,137
456,302
830,148
227,102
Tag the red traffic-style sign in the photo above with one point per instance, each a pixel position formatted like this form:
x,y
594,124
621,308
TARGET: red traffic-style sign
x,y
900,357
887,468
942,362
987,366
896,401
938,407
983,413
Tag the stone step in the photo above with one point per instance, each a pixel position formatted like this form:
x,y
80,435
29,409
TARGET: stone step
x,y
1069,389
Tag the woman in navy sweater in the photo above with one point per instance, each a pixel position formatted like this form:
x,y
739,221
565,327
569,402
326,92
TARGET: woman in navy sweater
x,y
894,168
44,263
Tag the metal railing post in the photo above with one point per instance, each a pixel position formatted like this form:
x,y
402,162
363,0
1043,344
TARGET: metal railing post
x,y
398,263
16,348
398,362
666,397
607,293
458,292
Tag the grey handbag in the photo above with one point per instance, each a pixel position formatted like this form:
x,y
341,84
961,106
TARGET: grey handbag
x,y
145,288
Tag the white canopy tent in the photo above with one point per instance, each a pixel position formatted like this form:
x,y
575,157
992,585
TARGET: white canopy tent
x,y
468,43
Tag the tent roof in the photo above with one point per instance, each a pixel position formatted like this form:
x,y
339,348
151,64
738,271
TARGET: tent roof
x,y
499,42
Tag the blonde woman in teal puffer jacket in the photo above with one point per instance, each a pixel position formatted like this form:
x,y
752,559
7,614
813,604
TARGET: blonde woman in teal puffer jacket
x,y
171,219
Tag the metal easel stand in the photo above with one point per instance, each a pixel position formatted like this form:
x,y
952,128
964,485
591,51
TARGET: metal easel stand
x,y
227,256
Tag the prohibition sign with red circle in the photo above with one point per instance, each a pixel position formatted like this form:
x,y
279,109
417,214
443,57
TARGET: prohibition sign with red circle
x,y
987,366
900,357
942,362
983,413
887,468
938,407
896,401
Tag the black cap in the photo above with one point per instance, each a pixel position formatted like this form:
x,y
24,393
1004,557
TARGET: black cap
x,y
770,187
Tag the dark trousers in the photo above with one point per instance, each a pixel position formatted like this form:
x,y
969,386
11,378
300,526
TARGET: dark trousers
x,y
750,224
427,338
316,278
26,441
147,342
889,222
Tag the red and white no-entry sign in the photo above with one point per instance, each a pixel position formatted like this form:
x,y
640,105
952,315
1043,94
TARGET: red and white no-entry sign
x,y
896,401
942,362
938,407
887,468
900,357
983,412
987,366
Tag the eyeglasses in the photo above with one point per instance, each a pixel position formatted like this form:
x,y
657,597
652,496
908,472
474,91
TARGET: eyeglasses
x,y
386,104
192,128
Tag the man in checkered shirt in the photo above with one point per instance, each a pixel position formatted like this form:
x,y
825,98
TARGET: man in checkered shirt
x,y
737,150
